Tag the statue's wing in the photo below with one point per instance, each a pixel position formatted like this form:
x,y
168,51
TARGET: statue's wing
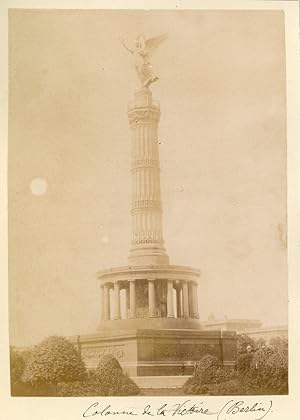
x,y
125,45
152,43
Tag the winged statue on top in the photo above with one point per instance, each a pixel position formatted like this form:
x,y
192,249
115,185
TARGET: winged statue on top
x,y
142,50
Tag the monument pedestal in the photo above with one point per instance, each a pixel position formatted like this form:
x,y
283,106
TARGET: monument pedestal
x,y
157,352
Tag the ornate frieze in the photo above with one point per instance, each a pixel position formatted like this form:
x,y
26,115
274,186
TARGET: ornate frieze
x,y
143,115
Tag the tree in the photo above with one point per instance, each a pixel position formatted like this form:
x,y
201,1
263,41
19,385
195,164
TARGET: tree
x,y
243,364
17,366
268,369
52,361
243,342
279,342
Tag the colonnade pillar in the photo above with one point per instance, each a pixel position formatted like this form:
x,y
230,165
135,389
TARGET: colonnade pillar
x,y
117,300
151,298
185,298
170,306
101,302
106,303
195,300
178,302
132,308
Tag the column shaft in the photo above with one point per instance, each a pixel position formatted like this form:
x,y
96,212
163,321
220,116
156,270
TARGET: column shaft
x,y
170,306
185,300
127,303
151,298
106,303
178,302
132,299
195,300
101,302
117,300
191,300
146,206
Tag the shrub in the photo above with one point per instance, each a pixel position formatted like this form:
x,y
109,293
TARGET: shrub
x,y
17,366
243,341
231,387
262,371
108,364
54,360
18,360
279,342
112,380
268,369
208,371
243,364
107,380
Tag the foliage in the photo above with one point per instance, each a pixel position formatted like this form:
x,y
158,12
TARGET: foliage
x,y
231,387
259,342
208,371
18,360
264,370
112,380
279,342
107,379
243,363
269,369
108,364
54,360
243,341
17,366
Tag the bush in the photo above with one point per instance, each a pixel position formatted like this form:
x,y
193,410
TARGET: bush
x,y
17,366
243,341
262,371
243,364
54,360
231,387
107,380
86,388
112,380
268,369
208,371
279,342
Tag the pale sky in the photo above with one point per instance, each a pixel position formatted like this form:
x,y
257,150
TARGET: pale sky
x,y
222,151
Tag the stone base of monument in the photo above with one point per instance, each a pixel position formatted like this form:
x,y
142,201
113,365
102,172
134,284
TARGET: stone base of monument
x,y
160,382
157,352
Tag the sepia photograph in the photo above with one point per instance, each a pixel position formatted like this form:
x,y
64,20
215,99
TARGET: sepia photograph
x,y
147,203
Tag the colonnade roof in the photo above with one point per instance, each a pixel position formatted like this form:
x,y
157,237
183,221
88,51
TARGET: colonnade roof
x,y
151,272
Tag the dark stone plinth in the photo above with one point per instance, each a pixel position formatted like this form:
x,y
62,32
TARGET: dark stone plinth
x,y
146,352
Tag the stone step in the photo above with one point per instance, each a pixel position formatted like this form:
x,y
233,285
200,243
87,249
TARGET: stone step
x,y
160,381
